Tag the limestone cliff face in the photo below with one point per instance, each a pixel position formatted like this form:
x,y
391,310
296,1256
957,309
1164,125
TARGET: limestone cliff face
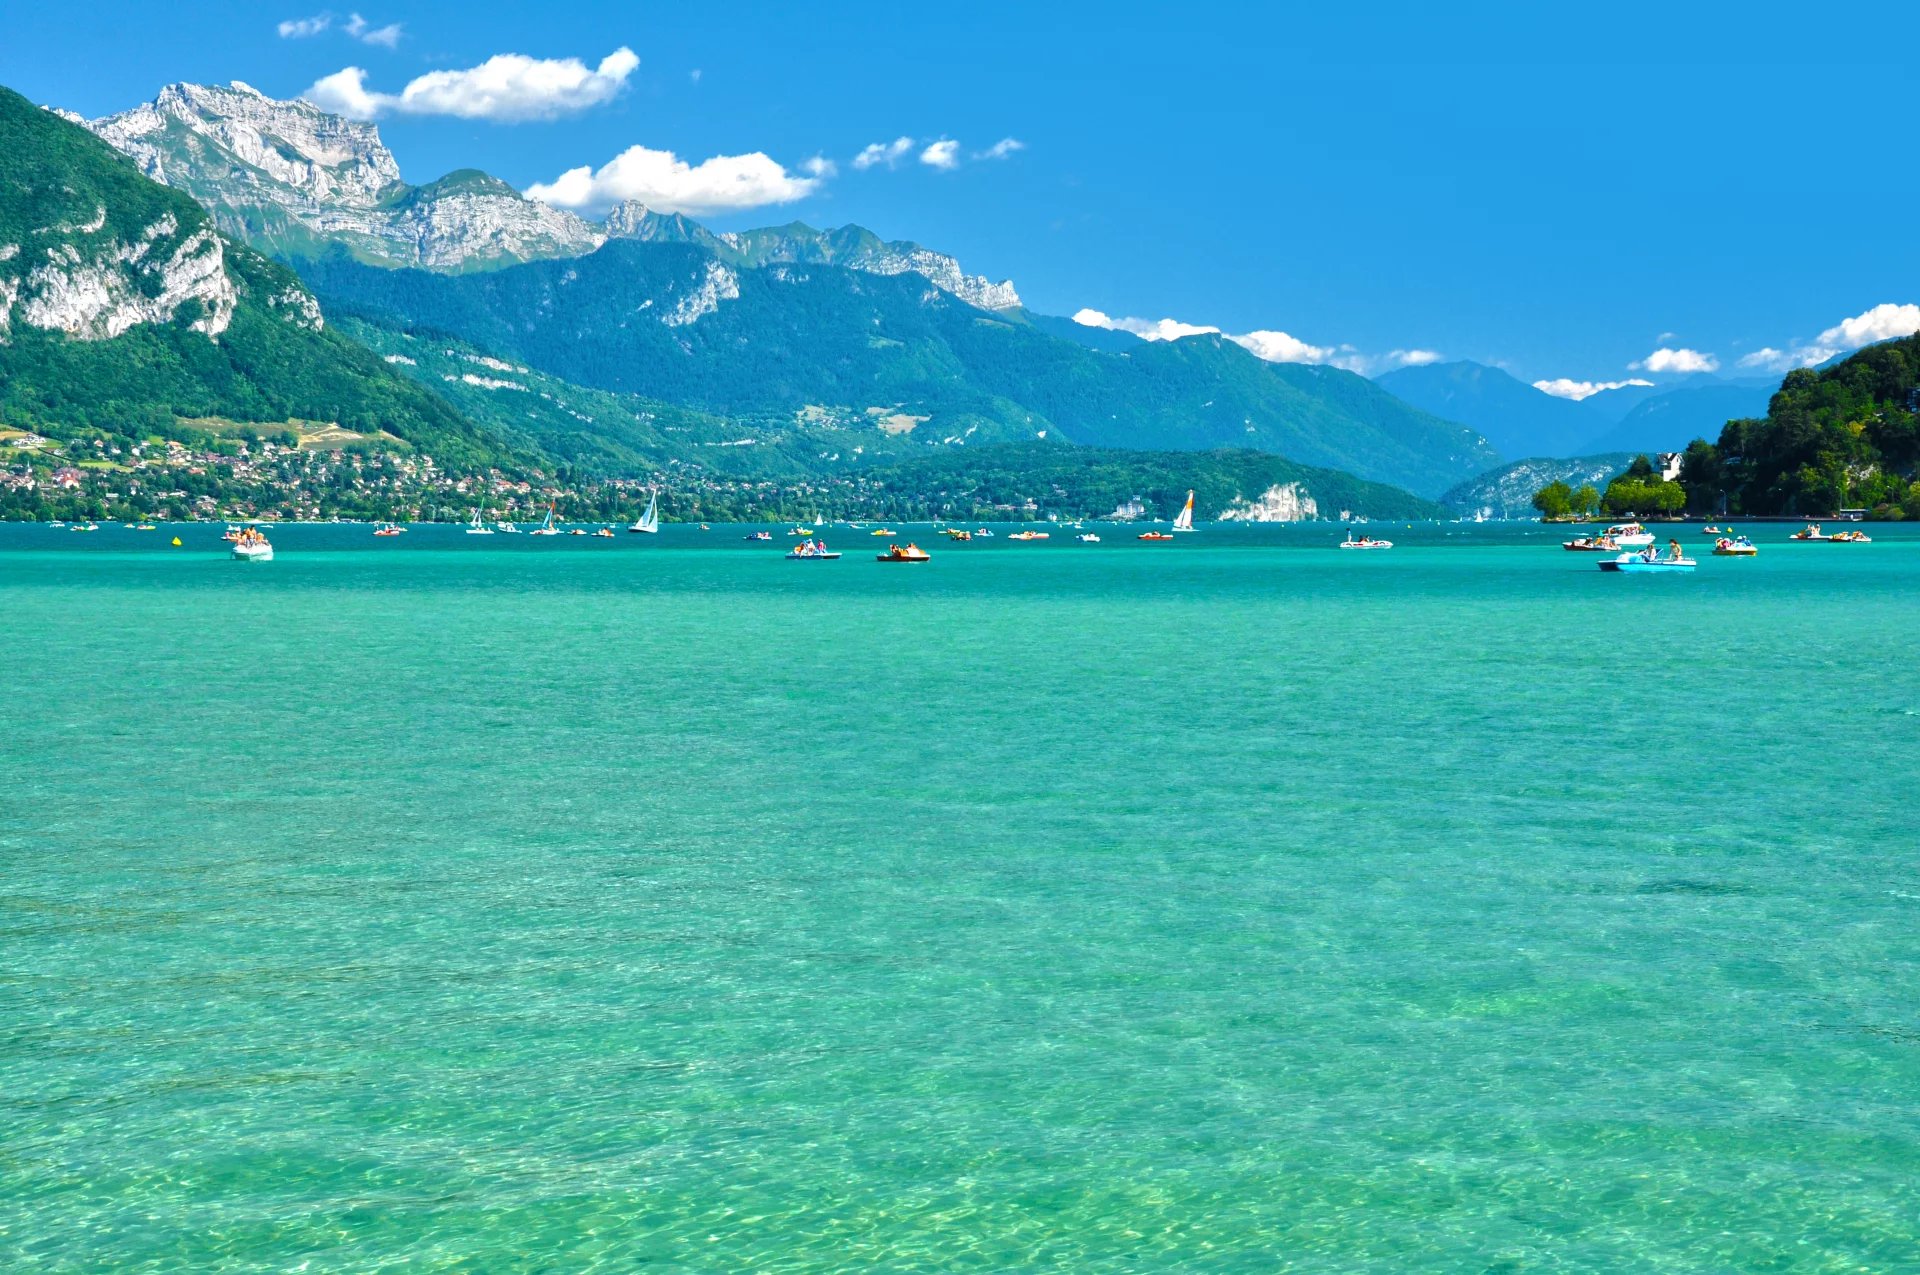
x,y
292,178
1287,502
93,285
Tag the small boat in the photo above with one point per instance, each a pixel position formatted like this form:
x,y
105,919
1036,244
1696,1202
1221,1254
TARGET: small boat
x,y
801,531
1365,542
1153,535
1734,547
954,533
145,526
705,527
605,533
758,535
546,527
578,531
91,526
506,528
251,545
812,551
388,529
1850,538
1809,532
1030,535
1629,535
1647,560
1088,538
1711,530
59,523
1591,544
884,531
982,533
648,524
477,528
903,553
1183,521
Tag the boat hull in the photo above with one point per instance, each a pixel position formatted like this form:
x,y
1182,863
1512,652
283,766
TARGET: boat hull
x,y
1640,566
250,553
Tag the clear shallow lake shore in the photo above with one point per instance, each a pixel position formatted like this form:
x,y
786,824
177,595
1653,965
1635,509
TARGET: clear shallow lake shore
x,y
1233,904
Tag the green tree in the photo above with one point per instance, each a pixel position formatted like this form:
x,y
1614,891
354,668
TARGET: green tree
x,y
1554,501
1586,501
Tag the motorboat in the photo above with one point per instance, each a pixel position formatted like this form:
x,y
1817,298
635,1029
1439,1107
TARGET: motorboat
x,y
506,528
1591,544
1153,535
577,531
477,528
1647,560
812,551
903,553
1030,535
252,545
648,524
1734,547
1629,535
1365,542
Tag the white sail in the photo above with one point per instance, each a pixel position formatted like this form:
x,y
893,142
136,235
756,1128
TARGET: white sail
x,y
1185,520
650,520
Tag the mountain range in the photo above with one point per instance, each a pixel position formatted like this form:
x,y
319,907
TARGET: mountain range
x,y
786,349
122,307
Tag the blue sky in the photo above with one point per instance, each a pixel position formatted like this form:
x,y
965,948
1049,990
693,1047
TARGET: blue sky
x,y
1562,191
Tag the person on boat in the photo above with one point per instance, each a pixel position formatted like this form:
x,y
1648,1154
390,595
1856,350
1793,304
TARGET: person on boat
x,y
1673,549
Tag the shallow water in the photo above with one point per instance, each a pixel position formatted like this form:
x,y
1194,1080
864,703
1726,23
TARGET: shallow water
x,y
449,904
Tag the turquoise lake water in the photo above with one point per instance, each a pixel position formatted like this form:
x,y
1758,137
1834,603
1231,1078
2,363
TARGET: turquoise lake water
x,y
446,904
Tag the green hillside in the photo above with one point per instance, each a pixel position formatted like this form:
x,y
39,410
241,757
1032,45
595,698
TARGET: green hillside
x,y
72,208
1845,436
671,322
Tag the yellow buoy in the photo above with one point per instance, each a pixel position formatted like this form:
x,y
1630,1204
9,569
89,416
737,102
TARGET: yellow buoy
x,y
176,542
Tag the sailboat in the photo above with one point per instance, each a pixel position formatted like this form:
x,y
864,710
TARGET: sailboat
x,y
1184,521
477,528
546,527
649,523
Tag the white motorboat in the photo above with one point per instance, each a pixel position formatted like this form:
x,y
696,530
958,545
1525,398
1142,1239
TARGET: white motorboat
x,y
1629,535
252,546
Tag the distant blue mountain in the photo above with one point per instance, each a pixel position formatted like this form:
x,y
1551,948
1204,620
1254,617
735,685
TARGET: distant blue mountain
x,y
1669,420
1516,418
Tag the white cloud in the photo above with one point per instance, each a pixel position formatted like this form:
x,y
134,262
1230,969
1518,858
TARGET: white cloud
x,y
1001,149
666,183
1681,360
1151,329
820,166
943,154
507,87
386,37
888,153
1274,347
694,75
305,28
1279,347
1409,358
1561,387
1883,322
